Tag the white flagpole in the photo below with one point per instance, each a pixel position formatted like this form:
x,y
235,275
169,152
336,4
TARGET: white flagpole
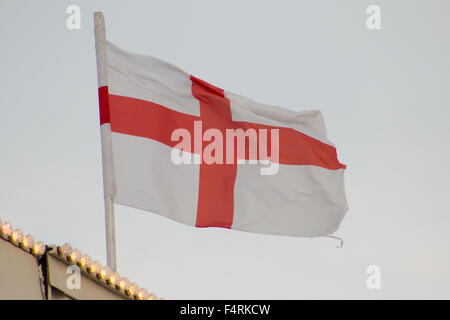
x,y
108,171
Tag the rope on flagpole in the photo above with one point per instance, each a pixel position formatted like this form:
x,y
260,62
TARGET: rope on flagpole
x,y
341,242
107,159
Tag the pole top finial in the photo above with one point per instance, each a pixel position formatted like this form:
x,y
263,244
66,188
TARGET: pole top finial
x,y
99,17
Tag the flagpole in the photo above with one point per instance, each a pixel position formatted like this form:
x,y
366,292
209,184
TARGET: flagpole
x,y
107,163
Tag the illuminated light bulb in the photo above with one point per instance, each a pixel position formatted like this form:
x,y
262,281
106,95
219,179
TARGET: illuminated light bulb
x,y
124,284
105,273
17,236
114,279
39,248
85,261
95,267
75,255
142,294
132,289
65,250
6,230
152,296
28,242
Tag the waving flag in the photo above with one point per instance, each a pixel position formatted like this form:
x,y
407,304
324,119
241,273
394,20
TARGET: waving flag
x,y
182,148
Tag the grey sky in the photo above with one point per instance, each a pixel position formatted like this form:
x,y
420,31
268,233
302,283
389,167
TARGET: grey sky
x,y
384,96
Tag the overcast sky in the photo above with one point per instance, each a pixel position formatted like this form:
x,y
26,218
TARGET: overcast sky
x,y
384,96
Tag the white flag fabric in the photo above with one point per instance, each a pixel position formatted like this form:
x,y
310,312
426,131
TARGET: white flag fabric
x,y
176,141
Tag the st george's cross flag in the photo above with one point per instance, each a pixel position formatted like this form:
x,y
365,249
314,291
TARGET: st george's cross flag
x,y
185,149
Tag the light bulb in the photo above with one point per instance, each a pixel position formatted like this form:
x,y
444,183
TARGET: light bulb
x,y
85,261
124,283
152,296
6,230
39,248
142,294
114,279
95,267
105,273
65,250
28,242
17,236
75,255
133,288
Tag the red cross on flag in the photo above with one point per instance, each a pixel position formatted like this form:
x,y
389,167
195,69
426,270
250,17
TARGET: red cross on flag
x,y
182,148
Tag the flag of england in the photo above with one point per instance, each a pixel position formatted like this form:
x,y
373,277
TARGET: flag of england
x,y
180,147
